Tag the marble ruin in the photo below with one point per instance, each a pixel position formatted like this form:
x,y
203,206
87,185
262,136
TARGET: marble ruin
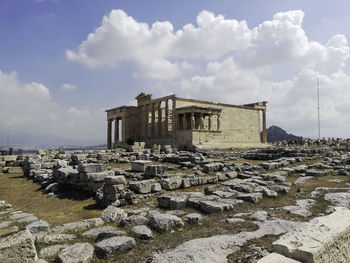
x,y
184,123
307,189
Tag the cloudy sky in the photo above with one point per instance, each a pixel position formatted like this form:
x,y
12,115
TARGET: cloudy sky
x,y
63,62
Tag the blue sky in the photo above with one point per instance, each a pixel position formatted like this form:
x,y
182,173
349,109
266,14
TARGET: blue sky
x,y
36,35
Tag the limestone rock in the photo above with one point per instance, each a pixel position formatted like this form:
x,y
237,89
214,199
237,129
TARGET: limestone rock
x,y
90,168
338,199
164,222
323,239
172,201
301,208
171,183
5,224
142,232
210,207
315,173
300,168
115,179
38,226
77,226
52,251
139,165
276,258
251,197
281,189
112,214
15,170
156,187
134,220
18,247
77,253
106,230
141,187
231,221
28,219
217,248
54,238
194,219
115,245
303,179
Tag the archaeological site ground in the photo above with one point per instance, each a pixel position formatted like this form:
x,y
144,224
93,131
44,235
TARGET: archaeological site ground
x,y
276,204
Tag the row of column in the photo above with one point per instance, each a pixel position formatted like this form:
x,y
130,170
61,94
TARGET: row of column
x,y
116,121
189,121
149,119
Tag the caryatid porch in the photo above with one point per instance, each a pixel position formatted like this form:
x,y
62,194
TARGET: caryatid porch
x,y
199,118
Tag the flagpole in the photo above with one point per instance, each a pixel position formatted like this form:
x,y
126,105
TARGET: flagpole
x,y
318,109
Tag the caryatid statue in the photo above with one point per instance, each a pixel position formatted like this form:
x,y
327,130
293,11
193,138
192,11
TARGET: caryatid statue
x,y
193,121
201,122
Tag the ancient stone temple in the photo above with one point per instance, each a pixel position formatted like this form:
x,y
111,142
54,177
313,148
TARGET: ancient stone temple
x,y
184,123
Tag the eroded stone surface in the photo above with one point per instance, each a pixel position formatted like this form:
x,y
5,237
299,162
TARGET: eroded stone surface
x,y
52,251
217,248
112,214
77,226
18,247
114,245
77,253
276,258
142,232
323,239
338,199
164,222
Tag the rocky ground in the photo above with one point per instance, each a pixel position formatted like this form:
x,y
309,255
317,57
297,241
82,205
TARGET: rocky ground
x,y
207,206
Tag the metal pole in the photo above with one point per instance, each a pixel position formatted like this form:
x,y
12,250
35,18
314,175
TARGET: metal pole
x,y
318,109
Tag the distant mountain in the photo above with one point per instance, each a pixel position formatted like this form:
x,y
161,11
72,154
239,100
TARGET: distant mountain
x,y
275,133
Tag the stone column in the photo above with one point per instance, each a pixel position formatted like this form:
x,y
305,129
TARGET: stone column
x,y
109,134
174,117
192,122
123,129
116,130
184,122
166,118
179,122
209,122
153,120
144,121
148,110
264,137
201,122
218,123
159,119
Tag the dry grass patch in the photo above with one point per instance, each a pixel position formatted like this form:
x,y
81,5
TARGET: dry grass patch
x,y
66,206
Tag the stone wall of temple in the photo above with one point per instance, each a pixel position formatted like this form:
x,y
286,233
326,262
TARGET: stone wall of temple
x,y
239,126
184,123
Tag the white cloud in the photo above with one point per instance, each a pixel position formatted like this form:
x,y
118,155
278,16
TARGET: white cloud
x,y
30,108
221,59
158,51
68,87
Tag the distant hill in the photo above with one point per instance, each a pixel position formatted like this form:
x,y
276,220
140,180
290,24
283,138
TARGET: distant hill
x,y
275,133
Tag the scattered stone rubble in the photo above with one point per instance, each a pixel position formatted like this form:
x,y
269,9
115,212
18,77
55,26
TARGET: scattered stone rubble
x,y
204,182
